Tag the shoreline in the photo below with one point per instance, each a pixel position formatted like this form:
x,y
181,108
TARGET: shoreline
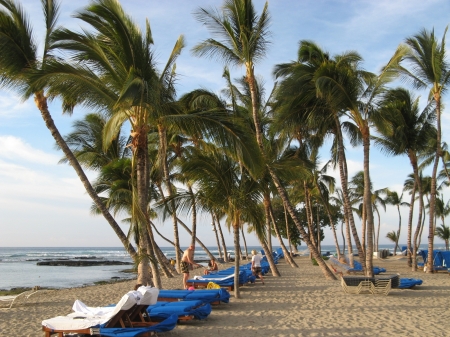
x,y
299,303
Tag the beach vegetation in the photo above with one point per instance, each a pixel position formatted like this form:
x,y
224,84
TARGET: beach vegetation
x,y
20,66
423,62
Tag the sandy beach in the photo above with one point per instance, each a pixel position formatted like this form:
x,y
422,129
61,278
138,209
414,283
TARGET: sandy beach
x,y
299,303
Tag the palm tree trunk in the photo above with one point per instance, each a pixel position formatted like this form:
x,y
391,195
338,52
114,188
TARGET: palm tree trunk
x,y
245,243
162,134
287,256
194,216
378,232
237,257
269,257
287,231
418,185
148,260
309,215
159,258
159,233
213,223
348,213
410,219
41,103
399,229
368,203
222,238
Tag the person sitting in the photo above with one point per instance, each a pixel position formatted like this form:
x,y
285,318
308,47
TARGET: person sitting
x,y
212,266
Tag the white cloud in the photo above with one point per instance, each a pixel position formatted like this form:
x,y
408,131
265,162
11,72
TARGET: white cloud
x,y
12,106
14,148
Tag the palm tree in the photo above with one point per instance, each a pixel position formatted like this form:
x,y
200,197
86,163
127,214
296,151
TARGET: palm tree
x,y
224,185
426,57
244,43
19,61
392,236
392,198
443,232
442,208
307,89
405,129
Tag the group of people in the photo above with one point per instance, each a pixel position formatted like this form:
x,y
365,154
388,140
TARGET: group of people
x,y
187,261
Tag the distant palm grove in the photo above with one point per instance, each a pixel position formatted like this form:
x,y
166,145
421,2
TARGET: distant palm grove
x,y
246,158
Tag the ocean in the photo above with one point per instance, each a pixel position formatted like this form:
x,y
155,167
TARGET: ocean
x,y
18,265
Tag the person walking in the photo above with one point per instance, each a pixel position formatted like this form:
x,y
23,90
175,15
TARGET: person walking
x,y
256,265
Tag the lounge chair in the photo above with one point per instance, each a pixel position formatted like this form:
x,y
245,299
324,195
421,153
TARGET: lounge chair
x,y
211,296
357,266
185,310
367,286
439,263
106,321
409,283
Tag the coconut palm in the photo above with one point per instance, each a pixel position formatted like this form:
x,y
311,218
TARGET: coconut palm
x,y
443,232
244,40
222,182
19,61
307,103
428,67
392,198
405,129
392,236
442,208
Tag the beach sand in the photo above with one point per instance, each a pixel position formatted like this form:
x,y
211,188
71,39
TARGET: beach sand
x,y
299,303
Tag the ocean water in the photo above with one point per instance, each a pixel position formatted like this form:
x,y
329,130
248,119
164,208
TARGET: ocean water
x,y
18,266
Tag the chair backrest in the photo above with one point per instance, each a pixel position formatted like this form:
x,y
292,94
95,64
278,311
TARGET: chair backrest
x,y
118,316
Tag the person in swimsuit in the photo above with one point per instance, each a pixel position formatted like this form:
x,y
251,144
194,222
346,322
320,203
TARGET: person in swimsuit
x,y
212,266
186,260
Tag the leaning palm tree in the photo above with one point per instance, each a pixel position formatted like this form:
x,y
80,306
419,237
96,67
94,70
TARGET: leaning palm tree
x,y
19,61
244,41
443,232
428,67
392,235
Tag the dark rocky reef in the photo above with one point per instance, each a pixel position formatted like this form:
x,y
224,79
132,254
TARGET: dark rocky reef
x,y
82,263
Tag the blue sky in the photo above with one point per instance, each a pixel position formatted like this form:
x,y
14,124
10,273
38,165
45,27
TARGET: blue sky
x,y
42,203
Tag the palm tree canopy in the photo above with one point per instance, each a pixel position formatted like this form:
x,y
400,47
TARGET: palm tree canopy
x,y
242,34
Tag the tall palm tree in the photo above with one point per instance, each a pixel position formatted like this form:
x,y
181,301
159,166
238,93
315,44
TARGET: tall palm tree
x,y
405,129
244,40
19,61
306,102
428,67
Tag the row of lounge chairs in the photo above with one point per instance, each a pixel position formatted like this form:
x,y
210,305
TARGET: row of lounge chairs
x,y
225,278
357,266
137,313
441,260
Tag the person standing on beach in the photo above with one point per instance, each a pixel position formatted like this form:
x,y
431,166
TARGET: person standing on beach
x,y
186,260
256,265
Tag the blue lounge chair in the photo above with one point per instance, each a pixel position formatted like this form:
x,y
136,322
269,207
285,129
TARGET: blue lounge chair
x,y
212,296
165,325
438,260
408,283
113,320
185,310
